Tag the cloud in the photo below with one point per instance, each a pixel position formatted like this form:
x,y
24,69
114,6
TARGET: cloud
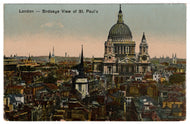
x,y
52,25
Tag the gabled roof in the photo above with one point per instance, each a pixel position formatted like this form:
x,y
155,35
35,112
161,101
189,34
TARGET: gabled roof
x,y
127,60
51,86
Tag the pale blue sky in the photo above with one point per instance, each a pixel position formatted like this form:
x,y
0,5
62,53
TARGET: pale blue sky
x,y
162,24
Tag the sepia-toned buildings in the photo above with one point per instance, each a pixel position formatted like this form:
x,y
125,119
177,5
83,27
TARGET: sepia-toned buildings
x,y
120,57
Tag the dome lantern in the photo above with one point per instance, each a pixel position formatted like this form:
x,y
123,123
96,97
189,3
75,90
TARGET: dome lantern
x,y
120,16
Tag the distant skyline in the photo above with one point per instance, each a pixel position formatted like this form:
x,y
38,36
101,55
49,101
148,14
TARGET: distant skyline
x,y
36,33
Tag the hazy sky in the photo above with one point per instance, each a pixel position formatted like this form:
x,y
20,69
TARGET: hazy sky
x,y
36,33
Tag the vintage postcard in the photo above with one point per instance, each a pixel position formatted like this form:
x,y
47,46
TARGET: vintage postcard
x,y
94,62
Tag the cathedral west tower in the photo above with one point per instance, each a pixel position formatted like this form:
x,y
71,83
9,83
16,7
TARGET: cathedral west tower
x,y
143,57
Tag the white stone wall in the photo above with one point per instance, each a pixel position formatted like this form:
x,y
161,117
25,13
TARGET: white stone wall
x,y
156,76
82,87
19,99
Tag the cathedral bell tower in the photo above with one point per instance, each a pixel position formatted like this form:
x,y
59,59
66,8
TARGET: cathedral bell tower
x,y
143,56
109,58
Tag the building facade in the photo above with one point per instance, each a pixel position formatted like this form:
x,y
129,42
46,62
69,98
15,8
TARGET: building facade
x,y
143,60
120,57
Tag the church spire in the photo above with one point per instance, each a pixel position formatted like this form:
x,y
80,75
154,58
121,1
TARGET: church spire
x,y
53,51
120,8
81,66
29,58
143,37
120,15
49,55
81,61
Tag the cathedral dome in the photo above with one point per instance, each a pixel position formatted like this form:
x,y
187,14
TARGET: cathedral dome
x,y
120,31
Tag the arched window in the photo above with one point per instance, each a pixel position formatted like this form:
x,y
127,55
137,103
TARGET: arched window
x,y
144,49
80,87
109,69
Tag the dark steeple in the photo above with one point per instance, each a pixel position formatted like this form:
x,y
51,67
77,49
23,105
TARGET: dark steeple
x,y
53,52
49,55
81,60
120,9
81,66
29,58
143,37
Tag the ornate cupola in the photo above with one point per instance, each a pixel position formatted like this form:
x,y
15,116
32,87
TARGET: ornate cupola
x,y
120,16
